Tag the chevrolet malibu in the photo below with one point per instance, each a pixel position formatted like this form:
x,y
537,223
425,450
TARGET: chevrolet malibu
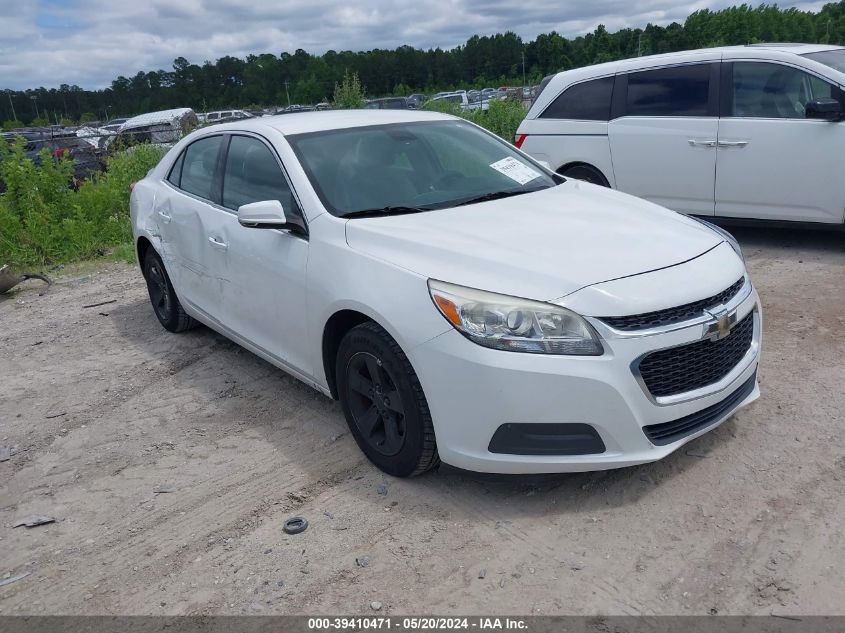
x,y
463,302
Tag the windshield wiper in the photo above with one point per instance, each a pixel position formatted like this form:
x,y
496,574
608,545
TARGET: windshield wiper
x,y
495,195
389,210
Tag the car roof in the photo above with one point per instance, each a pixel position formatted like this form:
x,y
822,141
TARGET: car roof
x,y
321,120
563,79
155,118
730,51
783,47
787,47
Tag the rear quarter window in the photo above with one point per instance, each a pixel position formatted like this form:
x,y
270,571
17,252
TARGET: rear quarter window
x,y
175,175
585,101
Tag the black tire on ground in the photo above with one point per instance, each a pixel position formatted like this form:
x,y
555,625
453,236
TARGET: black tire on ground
x,y
586,173
166,304
384,403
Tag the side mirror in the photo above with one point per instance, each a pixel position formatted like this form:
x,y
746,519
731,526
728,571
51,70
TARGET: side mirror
x,y
267,214
824,109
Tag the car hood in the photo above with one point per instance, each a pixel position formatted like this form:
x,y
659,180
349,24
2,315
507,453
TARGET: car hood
x,y
542,245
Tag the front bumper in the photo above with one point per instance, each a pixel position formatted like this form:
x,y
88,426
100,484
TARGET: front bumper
x,y
472,391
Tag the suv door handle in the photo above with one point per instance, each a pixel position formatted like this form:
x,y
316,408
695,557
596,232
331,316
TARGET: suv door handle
x,y
733,143
216,243
697,143
164,217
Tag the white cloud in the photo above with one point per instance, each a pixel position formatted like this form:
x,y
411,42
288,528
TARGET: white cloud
x,y
90,42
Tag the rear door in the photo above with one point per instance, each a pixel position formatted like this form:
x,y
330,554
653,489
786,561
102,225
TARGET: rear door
x,y
773,163
187,215
663,135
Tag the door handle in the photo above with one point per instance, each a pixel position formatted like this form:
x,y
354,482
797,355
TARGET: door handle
x,y
216,243
697,143
164,217
733,143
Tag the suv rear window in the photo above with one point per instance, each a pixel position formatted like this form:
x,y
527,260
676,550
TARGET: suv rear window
x,y
586,101
676,91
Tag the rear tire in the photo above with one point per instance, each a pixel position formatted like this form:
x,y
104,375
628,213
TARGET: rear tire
x,y
166,306
587,173
384,403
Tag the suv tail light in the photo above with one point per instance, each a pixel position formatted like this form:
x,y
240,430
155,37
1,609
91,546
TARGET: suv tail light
x,y
519,139
59,152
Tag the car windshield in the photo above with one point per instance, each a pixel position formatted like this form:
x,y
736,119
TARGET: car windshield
x,y
407,167
835,58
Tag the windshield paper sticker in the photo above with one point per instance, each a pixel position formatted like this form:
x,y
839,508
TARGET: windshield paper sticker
x,y
515,170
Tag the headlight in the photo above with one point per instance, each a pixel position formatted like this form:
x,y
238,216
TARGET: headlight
x,y
512,324
730,239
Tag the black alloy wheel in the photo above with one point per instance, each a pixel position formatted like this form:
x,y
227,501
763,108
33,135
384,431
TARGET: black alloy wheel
x,y
384,403
375,403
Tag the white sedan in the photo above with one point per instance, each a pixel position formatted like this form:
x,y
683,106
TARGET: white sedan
x,y
461,301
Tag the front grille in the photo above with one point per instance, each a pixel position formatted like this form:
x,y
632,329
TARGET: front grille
x,y
673,315
668,432
687,367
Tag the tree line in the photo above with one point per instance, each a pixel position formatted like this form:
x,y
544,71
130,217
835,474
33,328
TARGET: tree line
x,y
496,60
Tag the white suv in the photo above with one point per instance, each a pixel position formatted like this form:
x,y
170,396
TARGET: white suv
x,y
752,132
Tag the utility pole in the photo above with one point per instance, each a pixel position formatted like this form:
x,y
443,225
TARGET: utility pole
x,y
640,45
523,69
14,116
286,91
35,104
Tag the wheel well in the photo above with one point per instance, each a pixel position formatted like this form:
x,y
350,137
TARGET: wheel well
x,y
142,247
588,166
336,328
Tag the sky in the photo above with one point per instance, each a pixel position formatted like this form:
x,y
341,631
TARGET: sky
x,y
91,42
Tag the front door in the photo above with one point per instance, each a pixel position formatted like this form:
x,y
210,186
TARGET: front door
x,y
264,298
773,163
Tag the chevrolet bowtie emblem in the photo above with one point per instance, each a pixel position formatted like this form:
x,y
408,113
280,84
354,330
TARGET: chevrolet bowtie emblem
x,y
721,324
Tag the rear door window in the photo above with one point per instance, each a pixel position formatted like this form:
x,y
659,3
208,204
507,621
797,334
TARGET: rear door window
x,y
585,101
199,165
679,91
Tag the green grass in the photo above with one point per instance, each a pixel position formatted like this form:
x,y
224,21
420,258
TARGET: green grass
x,y
43,221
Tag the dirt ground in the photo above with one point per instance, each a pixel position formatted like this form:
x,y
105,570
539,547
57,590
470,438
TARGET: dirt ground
x,y
170,463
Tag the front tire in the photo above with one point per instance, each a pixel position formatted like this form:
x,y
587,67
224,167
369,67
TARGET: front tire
x,y
384,403
166,306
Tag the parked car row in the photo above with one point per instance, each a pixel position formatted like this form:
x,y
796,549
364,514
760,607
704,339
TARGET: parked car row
x,y
364,253
86,160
